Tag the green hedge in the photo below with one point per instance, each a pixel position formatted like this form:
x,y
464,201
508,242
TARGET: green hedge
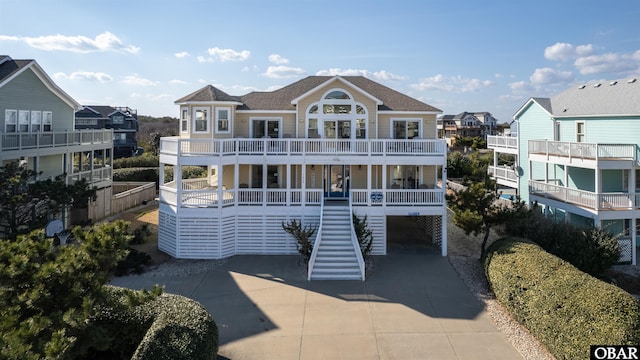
x,y
148,174
167,327
564,308
136,162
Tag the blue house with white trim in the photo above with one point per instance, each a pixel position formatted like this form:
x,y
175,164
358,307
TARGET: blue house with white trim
x,y
579,157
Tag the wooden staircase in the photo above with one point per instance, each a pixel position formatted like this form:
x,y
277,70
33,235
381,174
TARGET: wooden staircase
x,y
336,255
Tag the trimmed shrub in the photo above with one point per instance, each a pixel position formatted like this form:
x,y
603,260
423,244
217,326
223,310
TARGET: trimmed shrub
x,y
167,326
182,329
136,162
149,174
564,308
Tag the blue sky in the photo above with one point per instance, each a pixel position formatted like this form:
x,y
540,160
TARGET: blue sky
x,y
455,55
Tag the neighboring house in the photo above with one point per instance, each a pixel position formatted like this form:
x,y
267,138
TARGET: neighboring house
x,y
504,129
38,130
579,157
123,121
313,151
466,124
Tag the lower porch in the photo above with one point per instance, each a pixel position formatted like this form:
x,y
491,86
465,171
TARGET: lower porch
x,y
211,233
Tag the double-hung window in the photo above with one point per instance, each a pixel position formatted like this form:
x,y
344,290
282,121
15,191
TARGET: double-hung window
x,y
580,131
223,119
184,120
10,121
200,120
47,119
23,120
36,121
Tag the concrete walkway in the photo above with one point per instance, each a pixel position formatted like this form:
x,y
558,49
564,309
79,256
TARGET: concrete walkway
x,y
412,306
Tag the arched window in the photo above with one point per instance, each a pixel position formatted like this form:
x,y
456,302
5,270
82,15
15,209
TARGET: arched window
x,y
337,116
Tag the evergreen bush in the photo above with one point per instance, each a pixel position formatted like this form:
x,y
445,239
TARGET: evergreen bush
x,y
591,250
564,308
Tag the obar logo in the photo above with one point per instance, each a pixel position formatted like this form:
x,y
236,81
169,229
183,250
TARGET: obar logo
x,y
602,352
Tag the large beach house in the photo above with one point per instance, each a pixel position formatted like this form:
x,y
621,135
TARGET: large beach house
x,y
578,156
316,151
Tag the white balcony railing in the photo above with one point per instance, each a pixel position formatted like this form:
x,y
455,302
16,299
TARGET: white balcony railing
x,y
503,172
588,199
91,176
228,147
208,197
42,140
509,142
589,151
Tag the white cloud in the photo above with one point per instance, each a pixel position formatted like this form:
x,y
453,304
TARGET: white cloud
x,y
550,76
280,72
9,38
609,63
182,54
521,87
278,59
178,82
564,51
136,80
81,44
457,84
378,75
223,55
84,76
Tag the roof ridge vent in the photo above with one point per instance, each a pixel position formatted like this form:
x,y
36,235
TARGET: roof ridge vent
x,y
631,81
613,83
597,85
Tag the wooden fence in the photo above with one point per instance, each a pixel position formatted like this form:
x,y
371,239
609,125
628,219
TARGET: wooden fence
x,y
127,195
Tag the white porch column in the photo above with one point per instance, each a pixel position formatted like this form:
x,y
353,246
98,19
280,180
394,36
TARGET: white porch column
x,y
177,177
634,236
236,183
303,183
369,189
219,169
598,186
444,212
384,184
632,188
288,183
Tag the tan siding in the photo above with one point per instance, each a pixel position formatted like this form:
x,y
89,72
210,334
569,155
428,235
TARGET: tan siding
x,y
384,126
241,125
358,177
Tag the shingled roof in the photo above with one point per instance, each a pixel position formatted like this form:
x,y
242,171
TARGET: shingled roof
x,y
606,98
8,66
208,93
282,98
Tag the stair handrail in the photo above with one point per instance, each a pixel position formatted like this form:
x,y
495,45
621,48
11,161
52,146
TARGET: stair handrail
x,y
354,241
316,244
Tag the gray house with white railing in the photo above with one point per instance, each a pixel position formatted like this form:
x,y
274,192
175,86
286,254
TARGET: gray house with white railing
x,y
316,151
578,155
38,131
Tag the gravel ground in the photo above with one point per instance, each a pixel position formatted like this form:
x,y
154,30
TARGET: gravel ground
x,y
464,252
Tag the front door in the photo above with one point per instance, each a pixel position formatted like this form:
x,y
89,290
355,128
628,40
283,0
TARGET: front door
x,y
336,181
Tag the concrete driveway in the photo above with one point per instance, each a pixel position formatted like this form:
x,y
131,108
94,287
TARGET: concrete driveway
x,y
412,306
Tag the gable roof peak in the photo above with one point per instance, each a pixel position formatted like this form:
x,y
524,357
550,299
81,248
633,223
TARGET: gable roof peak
x,y
208,93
